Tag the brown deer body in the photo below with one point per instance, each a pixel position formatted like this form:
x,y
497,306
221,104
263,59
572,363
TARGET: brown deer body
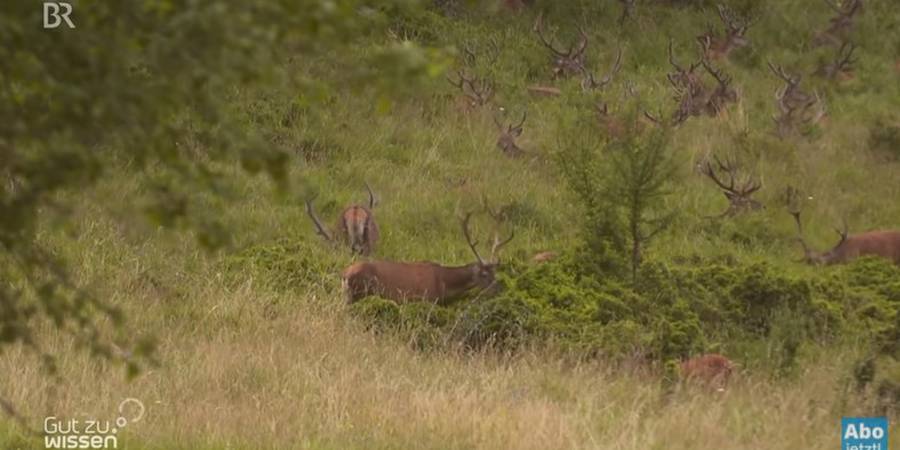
x,y
711,369
884,243
506,142
356,226
543,257
404,282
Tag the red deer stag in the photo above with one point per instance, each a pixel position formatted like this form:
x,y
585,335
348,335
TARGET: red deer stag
x,y
883,243
356,226
797,107
716,46
841,68
712,370
507,139
739,189
404,282
836,34
565,63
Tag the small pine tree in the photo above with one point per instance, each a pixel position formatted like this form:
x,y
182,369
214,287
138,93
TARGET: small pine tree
x,y
642,171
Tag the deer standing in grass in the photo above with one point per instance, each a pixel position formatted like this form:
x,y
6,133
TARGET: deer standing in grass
x,y
356,226
405,282
883,243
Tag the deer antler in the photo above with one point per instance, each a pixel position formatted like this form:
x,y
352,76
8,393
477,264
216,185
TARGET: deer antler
x,y
724,80
320,229
591,83
498,217
792,201
478,90
371,196
843,233
472,244
539,29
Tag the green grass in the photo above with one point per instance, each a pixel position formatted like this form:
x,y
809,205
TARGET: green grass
x,y
267,356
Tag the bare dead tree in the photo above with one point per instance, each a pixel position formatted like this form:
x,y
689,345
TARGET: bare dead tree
x,y
508,135
841,65
565,62
796,106
738,189
838,31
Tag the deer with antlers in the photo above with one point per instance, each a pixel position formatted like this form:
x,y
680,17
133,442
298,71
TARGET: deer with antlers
x,y
568,62
508,135
717,46
837,33
795,105
356,226
591,82
475,91
841,66
738,190
405,282
883,243
694,97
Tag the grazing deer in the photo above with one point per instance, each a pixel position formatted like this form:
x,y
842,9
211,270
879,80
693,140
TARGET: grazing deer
x,y
719,47
507,139
404,282
712,370
356,226
840,67
836,34
738,190
796,105
565,63
883,243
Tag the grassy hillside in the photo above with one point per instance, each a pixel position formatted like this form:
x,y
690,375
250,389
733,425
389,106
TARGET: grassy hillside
x,y
257,350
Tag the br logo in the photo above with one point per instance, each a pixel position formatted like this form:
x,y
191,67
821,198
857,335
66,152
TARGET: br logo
x,y
55,13
864,433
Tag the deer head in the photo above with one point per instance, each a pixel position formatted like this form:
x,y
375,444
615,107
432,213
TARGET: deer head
x,y
565,62
508,135
738,189
840,66
841,24
795,105
356,226
477,91
720,46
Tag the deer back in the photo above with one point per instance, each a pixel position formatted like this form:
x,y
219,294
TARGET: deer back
x,y
873,243
711,368
403,282
358,229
